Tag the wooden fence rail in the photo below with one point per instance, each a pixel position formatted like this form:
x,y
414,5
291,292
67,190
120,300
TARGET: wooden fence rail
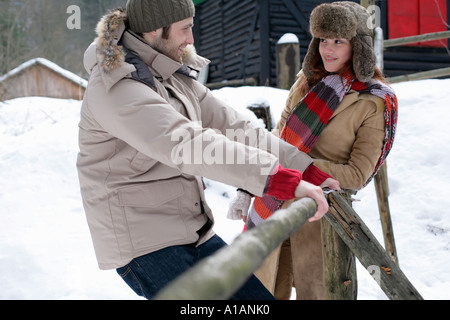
x,y
414,39
219,276
408,40
421,75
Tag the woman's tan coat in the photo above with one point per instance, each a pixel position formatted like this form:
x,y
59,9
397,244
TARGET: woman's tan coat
x,y
348,149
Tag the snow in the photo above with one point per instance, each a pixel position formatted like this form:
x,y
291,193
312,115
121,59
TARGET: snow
x,y
288,38
45,246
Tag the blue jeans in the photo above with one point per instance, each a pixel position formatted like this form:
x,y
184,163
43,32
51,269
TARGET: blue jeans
x,y
148,274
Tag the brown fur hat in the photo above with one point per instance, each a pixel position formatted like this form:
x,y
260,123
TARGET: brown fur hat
x,y
348,20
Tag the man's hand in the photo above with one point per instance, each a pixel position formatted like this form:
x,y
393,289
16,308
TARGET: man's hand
x,y
306,189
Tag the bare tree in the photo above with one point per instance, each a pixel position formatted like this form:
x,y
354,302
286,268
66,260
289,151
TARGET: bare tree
x,y
38,28
13,38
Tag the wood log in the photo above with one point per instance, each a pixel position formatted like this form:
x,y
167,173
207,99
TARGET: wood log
x,y
352,230
339,266
288,64
413,39
382,191
421,75
222,274
219,276
232,83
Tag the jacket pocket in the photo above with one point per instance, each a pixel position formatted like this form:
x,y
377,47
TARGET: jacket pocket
x,y
152,212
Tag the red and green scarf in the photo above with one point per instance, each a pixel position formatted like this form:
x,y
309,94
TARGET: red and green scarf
x,y
308,119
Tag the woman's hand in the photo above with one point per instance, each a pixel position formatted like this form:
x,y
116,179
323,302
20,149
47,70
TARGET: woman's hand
x,y
331,183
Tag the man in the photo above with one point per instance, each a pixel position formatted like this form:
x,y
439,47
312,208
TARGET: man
x,y
148,134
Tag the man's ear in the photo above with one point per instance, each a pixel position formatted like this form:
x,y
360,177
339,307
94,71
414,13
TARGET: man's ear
x,y
151,36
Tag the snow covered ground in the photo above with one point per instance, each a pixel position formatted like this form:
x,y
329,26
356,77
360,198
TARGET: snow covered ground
x,y
45,246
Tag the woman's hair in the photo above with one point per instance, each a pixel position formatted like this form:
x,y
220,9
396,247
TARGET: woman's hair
x,y
319,72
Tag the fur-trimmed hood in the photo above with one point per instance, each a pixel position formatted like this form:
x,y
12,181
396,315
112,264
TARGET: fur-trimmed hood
x,y
109,31
108,53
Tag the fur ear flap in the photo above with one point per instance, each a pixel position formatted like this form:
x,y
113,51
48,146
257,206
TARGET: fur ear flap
x,y
364,59
313,50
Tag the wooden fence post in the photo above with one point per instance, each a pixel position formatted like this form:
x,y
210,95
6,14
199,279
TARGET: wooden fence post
x,y
262,111
382,191
379,47
339,266
352,230
288,60
381,178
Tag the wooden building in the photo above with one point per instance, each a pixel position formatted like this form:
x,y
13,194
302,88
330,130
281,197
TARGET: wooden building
x,y
40,77
403,18
240,36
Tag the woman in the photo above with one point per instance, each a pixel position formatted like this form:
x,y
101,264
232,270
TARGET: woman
x,y
341,112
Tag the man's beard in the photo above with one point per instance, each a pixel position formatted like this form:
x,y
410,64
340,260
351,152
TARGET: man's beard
x,y
164,46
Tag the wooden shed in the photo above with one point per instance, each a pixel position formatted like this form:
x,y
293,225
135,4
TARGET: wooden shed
x,y
240,36
40,77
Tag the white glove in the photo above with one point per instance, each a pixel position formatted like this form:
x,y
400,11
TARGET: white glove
x,y
239,206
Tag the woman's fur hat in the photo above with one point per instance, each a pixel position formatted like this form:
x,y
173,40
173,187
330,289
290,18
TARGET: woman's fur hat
x,y
343,19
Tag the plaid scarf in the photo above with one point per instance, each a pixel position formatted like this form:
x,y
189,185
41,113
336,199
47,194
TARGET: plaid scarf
x,y
308,119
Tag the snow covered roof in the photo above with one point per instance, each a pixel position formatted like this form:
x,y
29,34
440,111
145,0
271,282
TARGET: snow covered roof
x,y
50,65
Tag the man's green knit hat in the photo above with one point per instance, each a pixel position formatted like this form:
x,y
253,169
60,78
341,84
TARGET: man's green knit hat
x,y
149,15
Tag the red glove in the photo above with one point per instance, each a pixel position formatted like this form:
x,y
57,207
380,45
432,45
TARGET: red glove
x,y
282,184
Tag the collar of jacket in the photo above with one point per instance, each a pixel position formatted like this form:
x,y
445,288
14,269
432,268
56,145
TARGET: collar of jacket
x,y
351,97
161,65
109,55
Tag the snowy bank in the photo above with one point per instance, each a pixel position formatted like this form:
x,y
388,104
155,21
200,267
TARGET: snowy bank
x,y
45,246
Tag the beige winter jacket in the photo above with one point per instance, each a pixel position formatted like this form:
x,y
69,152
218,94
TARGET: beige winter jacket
x,y
144,150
